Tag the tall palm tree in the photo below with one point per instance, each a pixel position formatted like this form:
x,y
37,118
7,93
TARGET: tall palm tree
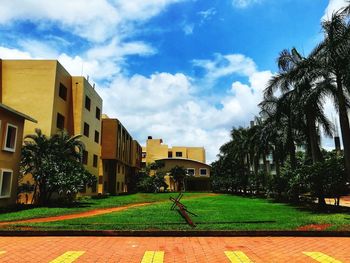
x,y
306,97
332,61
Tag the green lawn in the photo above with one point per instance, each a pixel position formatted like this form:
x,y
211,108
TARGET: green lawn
x,y
222,212
85,205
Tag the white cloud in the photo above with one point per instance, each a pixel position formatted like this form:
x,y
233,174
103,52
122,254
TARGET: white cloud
x,y
333,6
94,20
244,3
166,105
207,14
188,29
225,65
11,53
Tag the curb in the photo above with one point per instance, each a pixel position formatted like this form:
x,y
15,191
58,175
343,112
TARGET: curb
x,y
140,233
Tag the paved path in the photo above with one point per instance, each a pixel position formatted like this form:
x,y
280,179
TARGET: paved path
x,y
174,249
73,216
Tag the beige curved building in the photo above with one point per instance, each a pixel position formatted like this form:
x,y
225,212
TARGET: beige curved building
x,y
191,158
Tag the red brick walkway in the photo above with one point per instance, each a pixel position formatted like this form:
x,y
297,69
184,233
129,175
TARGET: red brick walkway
x,y
176,249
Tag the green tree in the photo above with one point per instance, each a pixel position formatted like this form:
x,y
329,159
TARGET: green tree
x,y
178,173
55,165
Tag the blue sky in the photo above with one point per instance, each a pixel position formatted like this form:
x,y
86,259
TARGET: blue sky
x,y
186,71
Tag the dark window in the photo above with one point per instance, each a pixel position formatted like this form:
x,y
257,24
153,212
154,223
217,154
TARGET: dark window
x,y
118,186
86,129
11,135
62,92
60,121
203,171
123,169
100,180
178,154
98,113
97,136
87,103
190,172
5,181
170,154
94,163
85,157
143,154
122,187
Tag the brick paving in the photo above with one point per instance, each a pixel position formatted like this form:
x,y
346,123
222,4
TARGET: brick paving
x,y
175,249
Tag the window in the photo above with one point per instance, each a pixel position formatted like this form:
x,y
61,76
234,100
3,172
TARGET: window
x,y
190,172
98,113
117,186
123,169
87,103
203,171
94,163
97,137
122,187
10,138
86,129
170,154
60,121
62,92
100,180
143,154
5,183
85,157
178,154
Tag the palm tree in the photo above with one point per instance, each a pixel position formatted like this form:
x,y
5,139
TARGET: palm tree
x,y
331,61
304,95
54,163
178,174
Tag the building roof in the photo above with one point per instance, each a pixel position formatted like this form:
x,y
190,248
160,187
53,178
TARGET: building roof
x,y
182,159
3,106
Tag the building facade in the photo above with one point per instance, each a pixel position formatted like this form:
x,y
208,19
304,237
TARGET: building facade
x,y
121,157
44,90
11,136
191,158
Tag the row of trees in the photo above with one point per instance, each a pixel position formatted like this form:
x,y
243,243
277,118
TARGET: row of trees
x,y
151,179
292,114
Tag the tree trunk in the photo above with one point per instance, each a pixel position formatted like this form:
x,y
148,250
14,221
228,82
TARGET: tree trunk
x,y
291,146
344,126
313,137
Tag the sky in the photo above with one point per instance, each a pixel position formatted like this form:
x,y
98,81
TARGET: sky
x,y
186,71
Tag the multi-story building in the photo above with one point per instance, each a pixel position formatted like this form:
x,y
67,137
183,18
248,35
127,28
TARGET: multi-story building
x,y
191,158
121,157
44,90
11,135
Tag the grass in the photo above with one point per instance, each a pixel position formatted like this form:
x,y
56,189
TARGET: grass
x,y
222,212
85,204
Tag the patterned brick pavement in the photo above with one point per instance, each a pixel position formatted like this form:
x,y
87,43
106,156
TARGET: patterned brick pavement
x,y
174,249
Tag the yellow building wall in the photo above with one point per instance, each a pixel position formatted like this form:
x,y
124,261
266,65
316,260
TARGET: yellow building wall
x,y
10,160
196,153
28,86
81,89
61,106
32,87
155,150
